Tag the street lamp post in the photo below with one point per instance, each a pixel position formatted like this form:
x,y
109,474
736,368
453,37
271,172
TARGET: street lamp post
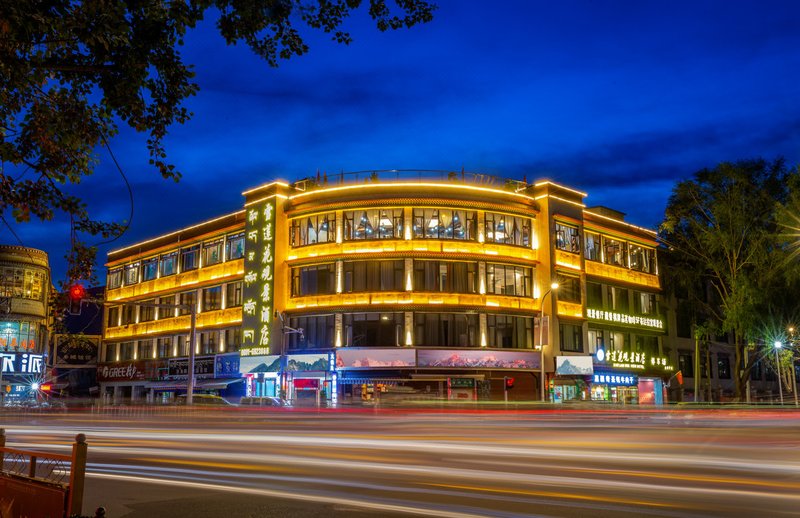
x,y
553,286
778,346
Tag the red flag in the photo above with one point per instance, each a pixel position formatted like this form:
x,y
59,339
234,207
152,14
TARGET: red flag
x,y
679,376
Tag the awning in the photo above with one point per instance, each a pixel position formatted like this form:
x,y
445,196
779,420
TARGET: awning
x,y
216,384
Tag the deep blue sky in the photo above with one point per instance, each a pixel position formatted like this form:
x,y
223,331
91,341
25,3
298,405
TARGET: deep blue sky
x,y
617,98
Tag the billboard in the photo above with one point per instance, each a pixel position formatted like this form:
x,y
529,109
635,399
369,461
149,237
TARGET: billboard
x,y
574,365
307,362
226,365
360,358
179,367
76,351
254,364
478,358
21,363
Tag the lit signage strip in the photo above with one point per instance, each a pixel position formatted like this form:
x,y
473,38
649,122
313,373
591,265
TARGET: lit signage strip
x,y
632,360
621,318
259,267
21,363
616,379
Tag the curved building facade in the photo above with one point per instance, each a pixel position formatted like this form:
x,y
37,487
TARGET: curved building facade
x,y
381,287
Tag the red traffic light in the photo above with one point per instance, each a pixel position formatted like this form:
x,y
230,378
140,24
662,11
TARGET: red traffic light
x,y
509,382
46,388
77,292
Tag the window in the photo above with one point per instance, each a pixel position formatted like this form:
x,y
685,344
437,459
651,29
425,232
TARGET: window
x,y
187,298
209,342
445,276
723,367
597,340
190,258
233,294
594,295
445,330
182,346
569,289
643,259
114,278
373,329
592,249
509,332
234,246
128,314
317,228
568,238
615,252
445,224
571,338
684,316
147,312
112,318
617,299
508,230
150,269
644,303
233,339
168,263
647,344
318,332
126,351
360,276
319,279
111,352
503,279
146,349
212,252
164,347
373,224
166,312
212,298
131,273
685,363
756,372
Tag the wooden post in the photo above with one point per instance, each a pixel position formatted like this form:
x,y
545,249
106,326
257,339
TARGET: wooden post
x,y
32,467
77,475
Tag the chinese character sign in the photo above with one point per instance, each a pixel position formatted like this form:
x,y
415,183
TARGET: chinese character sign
x,y
21,363
259,265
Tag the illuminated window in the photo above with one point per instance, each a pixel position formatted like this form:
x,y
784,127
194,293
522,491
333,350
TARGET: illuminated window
x,y
506,229
504,279
190,258
642,258
645,303
597,340
309,230
568,238
168,264
509,331
234,246
114,278
593,247
212,252
373,224
150,269
615,252
131,273
445,224
446,276
446,329
318,279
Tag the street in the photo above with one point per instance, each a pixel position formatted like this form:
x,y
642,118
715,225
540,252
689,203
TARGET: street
x,y
451,462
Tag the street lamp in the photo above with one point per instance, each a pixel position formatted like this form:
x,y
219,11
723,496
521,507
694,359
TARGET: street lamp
x,y
553,286
778,346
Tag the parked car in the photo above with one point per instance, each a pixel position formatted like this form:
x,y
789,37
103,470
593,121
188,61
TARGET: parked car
x,y
204,400
263,401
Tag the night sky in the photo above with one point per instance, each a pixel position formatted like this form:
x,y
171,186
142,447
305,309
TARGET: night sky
x,y
619,99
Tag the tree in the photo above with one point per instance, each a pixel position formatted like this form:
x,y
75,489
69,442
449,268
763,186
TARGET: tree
x,y
71,71
726,251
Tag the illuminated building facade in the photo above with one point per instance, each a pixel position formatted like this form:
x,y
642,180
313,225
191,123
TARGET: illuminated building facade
x,y
367,287
24,323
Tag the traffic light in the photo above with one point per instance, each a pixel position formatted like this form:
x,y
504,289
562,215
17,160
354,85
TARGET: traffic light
x,y
77,293
509,381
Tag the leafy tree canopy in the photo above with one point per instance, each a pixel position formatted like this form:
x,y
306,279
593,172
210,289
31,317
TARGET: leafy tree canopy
x,y
71,71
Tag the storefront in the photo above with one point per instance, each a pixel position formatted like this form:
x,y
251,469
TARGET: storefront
x,y
310,379
261,375
629,377
571,381
22,375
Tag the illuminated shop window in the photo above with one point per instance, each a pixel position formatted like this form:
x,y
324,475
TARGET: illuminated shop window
x,y
508,230
114,278
212,252
150,269
446,330
190,258
446,276
316,228
568,238
373,329
373,224
131,273
509,331
615,252
593,246
445,224
234,246
360,276
169,263
504,279
318,279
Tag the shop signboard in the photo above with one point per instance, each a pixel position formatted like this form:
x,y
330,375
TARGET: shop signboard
x,y
134,370
179,367
574,365
21,363
624,319
259,265
307,362
615,378
226,365
478,359
462,383
256,364
76,351
633,360
371,357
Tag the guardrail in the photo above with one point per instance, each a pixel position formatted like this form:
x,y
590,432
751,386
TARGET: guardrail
x,y
34,478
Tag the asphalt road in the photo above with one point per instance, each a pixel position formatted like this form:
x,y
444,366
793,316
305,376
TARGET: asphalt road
x,y
457,463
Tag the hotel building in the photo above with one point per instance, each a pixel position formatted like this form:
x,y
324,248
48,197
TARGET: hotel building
x,y
389,286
